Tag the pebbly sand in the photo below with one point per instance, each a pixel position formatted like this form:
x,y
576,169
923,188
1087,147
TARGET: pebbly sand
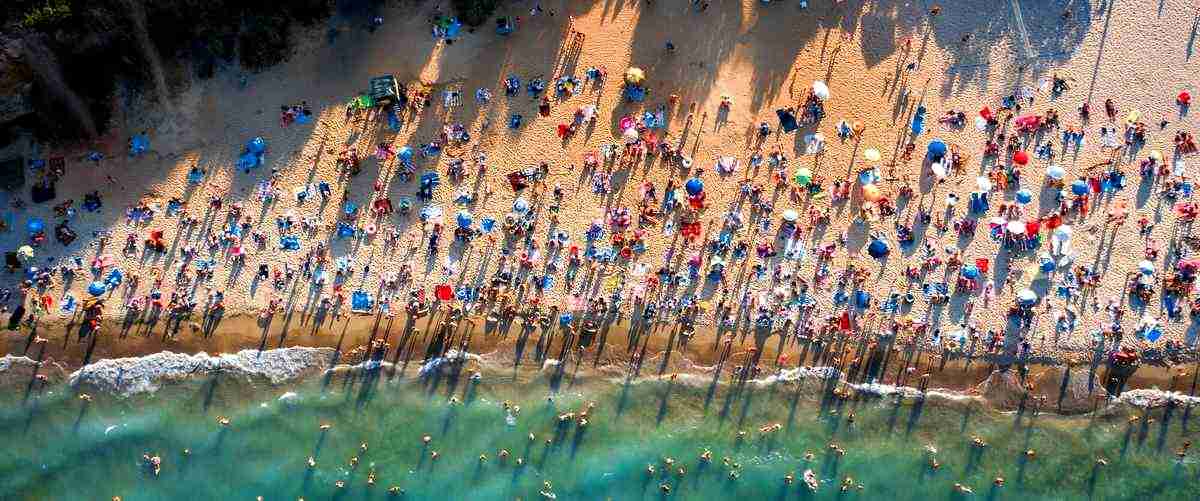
x,y
763,57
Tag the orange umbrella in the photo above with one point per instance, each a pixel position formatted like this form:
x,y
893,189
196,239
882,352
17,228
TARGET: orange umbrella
x,y
871,193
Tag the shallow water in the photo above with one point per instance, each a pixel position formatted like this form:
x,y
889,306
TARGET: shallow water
x,y
60,447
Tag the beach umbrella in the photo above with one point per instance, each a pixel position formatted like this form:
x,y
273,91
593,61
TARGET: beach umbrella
x,y
1060,240
820,90
804,176
871,193
634,76
1015,227
25,253
868,176
1079,187
35,225
970,271
520,205
983,183
694,186
814,143
790,215
630,135
1020,157
872,155
405,153
97,288
1146,267
936,150
1156,155
1026,297
257,145
938,169
430,212
981,124
1056,172
464,219
1184,98
1024,196
878,249
566,318
486,224
862,299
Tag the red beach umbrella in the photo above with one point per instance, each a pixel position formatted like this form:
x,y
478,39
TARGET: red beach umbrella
x,y
1021,158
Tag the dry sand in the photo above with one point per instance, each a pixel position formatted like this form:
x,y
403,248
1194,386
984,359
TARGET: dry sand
x,y
764,57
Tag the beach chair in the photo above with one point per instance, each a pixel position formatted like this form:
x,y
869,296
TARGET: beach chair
x,y
384,90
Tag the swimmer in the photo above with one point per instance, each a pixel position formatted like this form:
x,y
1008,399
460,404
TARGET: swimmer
x,y
362,447
962,489
433,455
371,478
706,456
354,461
668,461
978,442
85,397
340,484
665,488
650,469
503,454
809,456
187,452
312,462
520,461
482,458
394,490
531,437
788,479
223,421
1030,453
681,471
998,482
1101,462
325,427
426,439
847,483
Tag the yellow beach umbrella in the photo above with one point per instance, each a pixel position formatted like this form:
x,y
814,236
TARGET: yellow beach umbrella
x,y
872,155
635,76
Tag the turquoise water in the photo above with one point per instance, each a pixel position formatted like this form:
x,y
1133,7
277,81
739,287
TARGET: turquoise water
x,y
57,446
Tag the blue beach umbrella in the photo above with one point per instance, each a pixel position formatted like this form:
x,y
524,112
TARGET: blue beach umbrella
x,y
1024,196
405,153
862,299
694,186
970,271
97,288
936,150
878,248
1079,187
35,225
257,145
464,219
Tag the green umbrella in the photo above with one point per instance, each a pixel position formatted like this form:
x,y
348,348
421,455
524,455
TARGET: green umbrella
x,y
803,176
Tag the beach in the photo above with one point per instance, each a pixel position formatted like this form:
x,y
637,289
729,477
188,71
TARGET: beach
x,y
990,211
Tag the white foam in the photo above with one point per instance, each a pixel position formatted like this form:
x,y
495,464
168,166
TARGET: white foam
x,y
1148,398
9,362
129,376
452,356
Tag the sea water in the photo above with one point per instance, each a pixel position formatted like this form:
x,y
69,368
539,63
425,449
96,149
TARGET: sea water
x,y
58,446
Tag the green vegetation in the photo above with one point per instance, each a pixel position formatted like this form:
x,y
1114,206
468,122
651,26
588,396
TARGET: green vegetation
x,y
46,15
475,12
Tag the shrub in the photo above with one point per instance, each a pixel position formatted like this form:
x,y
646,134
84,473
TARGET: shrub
x,y
475,12
46,15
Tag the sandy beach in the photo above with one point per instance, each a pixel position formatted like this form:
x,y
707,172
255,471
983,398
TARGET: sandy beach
x,y
881,61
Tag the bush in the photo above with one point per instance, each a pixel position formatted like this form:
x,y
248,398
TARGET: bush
x,y
267,40
46,16
475,12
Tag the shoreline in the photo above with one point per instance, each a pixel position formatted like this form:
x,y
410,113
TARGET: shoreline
x,y
240,343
